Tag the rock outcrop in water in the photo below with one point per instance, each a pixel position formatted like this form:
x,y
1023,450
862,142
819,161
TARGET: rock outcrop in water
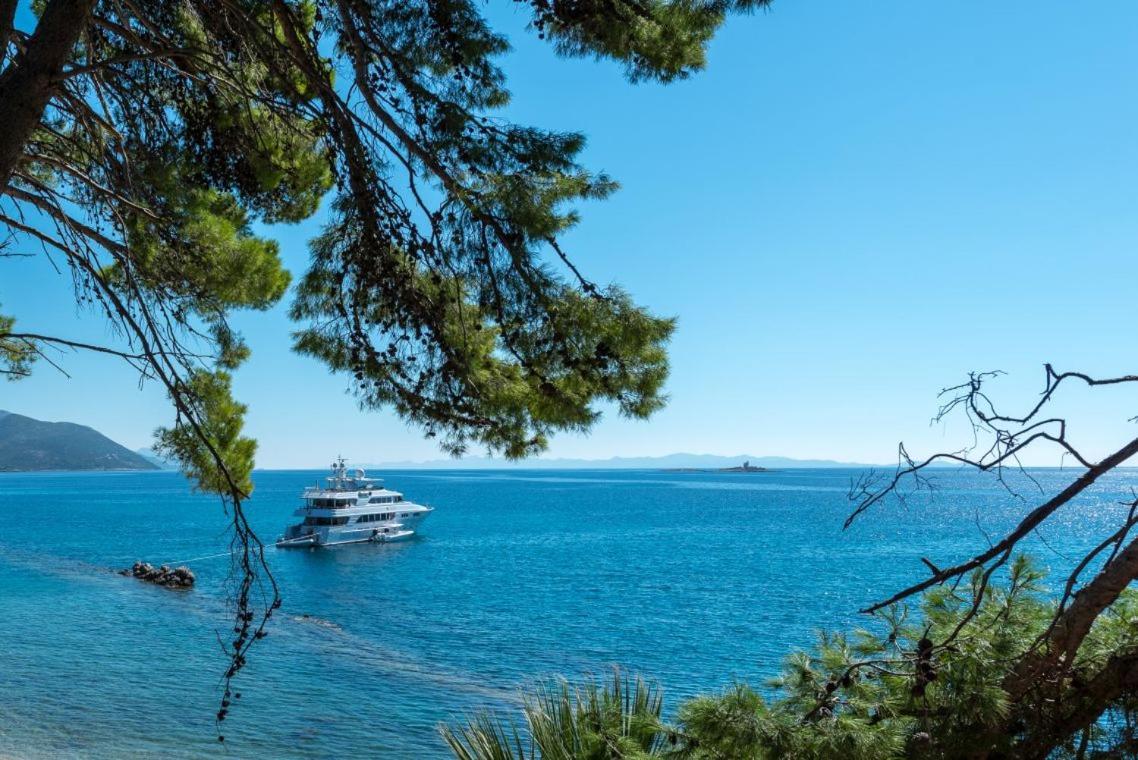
x,y
179,577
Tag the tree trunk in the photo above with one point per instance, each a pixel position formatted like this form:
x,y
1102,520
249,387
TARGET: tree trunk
x,y
28,84
1118,676
1047,671
1075,623
7,21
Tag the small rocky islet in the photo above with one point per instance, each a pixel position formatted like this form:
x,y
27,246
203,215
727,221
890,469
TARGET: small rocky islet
x,y
177,578
745,467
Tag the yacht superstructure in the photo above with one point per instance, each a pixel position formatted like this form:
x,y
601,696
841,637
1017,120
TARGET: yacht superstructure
x,y
352,508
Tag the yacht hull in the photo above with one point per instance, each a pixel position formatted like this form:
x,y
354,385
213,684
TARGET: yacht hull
x,y
374,533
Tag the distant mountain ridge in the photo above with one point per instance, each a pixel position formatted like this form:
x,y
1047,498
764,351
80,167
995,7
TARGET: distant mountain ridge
x,y
28,444
666,462
156,459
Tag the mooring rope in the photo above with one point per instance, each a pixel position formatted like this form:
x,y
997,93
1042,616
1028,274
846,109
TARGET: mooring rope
x,y
195,559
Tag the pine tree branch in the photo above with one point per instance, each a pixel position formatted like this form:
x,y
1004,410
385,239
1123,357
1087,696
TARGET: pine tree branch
x,y
1025,527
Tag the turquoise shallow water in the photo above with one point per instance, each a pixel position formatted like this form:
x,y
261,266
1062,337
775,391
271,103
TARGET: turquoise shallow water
x,y
695,579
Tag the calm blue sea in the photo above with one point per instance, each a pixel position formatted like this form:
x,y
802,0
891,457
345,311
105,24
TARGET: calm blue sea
x,y
695,579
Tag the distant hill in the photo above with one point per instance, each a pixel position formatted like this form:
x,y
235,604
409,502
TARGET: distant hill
x,y
666,462
29,444
152,456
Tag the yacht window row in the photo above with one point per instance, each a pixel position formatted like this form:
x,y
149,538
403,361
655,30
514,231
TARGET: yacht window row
x,y
326,521
352,502
375,518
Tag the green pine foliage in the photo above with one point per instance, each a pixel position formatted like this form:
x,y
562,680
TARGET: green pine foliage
x,y
16,356
655,39
207,439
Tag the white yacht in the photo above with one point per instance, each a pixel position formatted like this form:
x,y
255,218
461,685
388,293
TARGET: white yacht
x,y
352,508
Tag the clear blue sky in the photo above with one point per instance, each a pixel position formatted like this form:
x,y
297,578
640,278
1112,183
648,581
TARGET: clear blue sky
x,y
853,206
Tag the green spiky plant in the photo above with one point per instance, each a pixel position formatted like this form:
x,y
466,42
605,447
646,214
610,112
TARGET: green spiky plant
x,y
619,718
